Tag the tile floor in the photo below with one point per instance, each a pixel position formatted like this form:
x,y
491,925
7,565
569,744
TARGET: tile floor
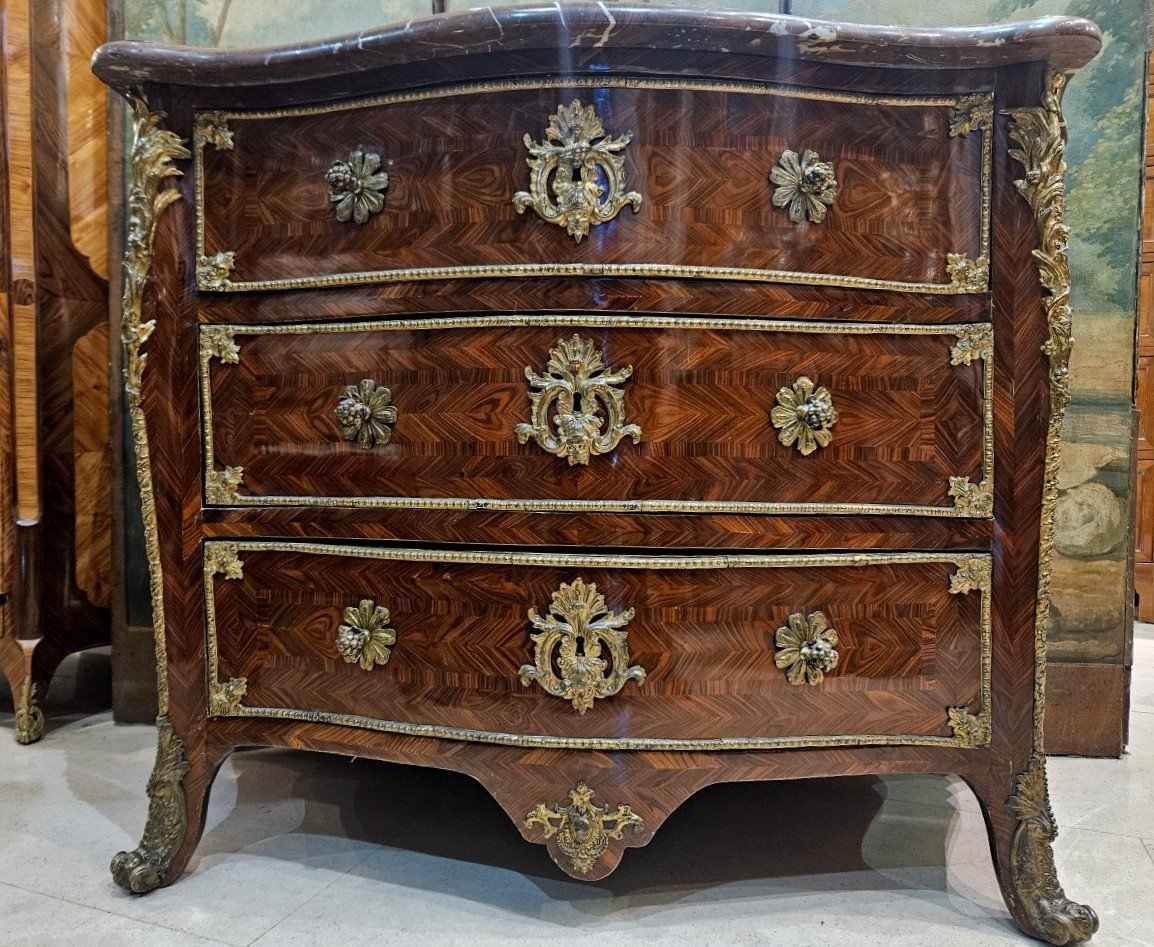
x,y
310,850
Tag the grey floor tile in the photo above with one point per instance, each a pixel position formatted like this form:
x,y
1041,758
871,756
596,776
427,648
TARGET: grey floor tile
x,y
71,802
29,919
317,850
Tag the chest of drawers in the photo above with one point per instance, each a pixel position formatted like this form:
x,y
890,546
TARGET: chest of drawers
x,y
605,403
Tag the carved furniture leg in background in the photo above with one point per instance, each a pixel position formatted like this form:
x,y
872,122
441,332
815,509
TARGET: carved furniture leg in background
x,y
177,802
29,664
16,663
1022,831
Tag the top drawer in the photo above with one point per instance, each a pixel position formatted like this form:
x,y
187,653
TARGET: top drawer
x,y
606,177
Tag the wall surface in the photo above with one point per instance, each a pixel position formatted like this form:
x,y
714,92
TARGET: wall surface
x,y
259,22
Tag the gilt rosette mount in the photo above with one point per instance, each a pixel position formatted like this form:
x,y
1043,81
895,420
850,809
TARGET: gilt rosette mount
x,y
568,402
364,637
366,414
806,186
357,186
804,416
585,642
583,828
577,175
806,648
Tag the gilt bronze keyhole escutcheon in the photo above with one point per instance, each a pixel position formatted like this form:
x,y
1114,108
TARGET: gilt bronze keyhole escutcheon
x,y
578,408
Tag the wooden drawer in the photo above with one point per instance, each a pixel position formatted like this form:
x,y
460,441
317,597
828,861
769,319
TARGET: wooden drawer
x,y
438,643
692,199
701,420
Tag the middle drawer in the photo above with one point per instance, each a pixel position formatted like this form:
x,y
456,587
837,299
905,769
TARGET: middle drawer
x,y
601,412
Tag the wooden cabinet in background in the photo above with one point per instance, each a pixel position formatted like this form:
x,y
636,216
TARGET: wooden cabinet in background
x,y
1144,510
55,536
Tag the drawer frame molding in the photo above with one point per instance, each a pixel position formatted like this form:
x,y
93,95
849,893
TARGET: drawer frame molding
x,y
211,128
970,500
966,735
963,274
224,697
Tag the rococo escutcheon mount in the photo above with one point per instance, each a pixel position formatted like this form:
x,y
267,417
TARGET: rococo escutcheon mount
x,y
429,548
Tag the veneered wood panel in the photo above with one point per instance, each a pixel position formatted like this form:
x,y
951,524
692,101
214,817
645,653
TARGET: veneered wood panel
x,y
908,419
1146,304
1087,706
18,120
1145,397
909,649
1144,526
91,443
84,26
58,309
1144,579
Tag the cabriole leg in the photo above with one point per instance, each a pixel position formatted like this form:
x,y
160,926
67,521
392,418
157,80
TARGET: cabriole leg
x,y
1022,831
177,799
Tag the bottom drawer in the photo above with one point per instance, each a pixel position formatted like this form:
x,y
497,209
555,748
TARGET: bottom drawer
x,y
606,651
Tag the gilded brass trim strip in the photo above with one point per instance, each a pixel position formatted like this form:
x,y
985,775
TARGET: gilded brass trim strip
x,y
591,561
653,270
587,270
1040,133
153,152
209,347
603,82
609,320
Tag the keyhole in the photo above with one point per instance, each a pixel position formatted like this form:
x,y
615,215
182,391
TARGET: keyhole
x,y
581,828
